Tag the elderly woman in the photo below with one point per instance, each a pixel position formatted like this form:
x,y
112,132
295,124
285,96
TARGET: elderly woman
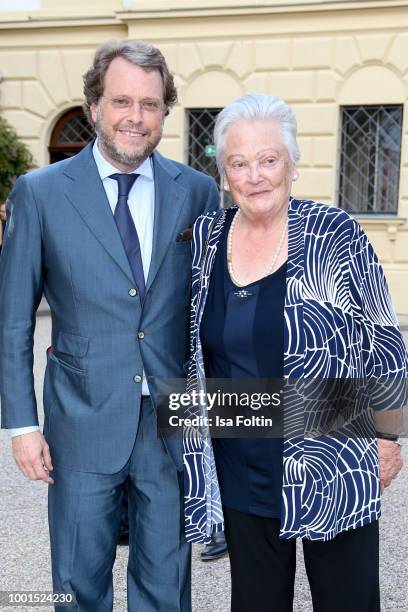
x,y
286,288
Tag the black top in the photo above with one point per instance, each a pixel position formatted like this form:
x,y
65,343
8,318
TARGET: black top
x,y
242,337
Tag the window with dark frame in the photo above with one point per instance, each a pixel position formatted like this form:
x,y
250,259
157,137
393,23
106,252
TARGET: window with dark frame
x,y
201,149
370,159
70,135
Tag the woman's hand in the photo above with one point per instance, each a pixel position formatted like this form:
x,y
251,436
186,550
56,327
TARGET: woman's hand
x,y
390,457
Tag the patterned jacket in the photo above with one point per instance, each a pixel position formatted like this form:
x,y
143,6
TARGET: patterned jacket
x,y
339,323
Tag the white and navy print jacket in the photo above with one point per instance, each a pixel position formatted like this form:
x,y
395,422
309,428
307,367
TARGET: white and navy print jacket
x,y
339,323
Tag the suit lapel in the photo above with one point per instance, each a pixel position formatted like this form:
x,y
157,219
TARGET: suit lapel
x,y
169,201
87,194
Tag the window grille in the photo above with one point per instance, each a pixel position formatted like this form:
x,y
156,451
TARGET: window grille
x,y
370,159
200,142
76,130
71,133
201,150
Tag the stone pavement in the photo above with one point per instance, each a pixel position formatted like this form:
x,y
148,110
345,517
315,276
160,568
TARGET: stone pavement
x,y
25,558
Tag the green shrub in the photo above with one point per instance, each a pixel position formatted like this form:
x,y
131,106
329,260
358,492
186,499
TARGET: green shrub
x,y
15,158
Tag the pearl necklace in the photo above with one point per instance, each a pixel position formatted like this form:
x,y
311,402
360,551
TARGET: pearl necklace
x,y
229,251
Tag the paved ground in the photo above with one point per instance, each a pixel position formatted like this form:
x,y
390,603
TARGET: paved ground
x,y
25,562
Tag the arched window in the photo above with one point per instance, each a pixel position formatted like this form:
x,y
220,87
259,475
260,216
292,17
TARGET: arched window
x,y
71,134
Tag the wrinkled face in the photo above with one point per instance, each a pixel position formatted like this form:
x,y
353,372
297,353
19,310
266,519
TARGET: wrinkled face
x,y
257,167
129,116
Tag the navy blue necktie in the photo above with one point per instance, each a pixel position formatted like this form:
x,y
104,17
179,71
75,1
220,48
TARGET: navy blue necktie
x,y
127,229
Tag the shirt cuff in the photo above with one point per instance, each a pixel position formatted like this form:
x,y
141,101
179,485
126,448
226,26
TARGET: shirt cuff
x,y
18,431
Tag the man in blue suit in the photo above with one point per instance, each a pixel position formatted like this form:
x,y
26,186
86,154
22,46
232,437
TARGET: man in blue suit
x,y
105,235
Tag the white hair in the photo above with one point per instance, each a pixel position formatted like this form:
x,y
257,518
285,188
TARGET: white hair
x,y
261,107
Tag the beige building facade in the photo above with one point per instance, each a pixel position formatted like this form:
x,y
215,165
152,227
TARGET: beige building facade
x,y
332,61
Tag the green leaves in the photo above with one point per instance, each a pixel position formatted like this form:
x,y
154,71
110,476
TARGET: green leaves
x,y
15,158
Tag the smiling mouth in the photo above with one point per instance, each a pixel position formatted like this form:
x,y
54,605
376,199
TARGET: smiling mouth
x,y
132,133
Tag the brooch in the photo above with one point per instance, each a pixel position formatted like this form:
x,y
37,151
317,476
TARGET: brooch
x,y
243,293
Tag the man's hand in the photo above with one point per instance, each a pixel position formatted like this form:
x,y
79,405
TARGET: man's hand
x,y
389,454
32,455
3,212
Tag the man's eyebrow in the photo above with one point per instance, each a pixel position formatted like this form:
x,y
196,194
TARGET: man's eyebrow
x,y
123,95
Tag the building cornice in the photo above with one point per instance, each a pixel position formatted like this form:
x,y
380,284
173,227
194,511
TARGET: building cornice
x,y
50,21
291,6
43,19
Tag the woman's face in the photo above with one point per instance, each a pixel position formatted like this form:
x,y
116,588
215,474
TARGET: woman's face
x,y
257,167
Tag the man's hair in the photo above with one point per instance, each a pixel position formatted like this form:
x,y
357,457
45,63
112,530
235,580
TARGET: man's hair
x,y
136,52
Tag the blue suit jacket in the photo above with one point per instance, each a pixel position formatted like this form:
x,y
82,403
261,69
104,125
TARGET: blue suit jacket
x,y
62,240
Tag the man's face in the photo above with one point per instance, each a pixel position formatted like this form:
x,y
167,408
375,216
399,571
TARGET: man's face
x,y
130,114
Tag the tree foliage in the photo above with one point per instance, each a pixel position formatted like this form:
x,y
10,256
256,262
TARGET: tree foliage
x,y
15,158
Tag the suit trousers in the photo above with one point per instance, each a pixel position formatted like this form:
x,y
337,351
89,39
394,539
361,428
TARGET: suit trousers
x,y
84,519
343,573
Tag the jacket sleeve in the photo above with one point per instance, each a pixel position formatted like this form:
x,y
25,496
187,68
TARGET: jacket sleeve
x,y
20,295
383,348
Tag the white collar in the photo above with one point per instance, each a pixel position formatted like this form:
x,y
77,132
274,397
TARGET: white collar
x,y
105,168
